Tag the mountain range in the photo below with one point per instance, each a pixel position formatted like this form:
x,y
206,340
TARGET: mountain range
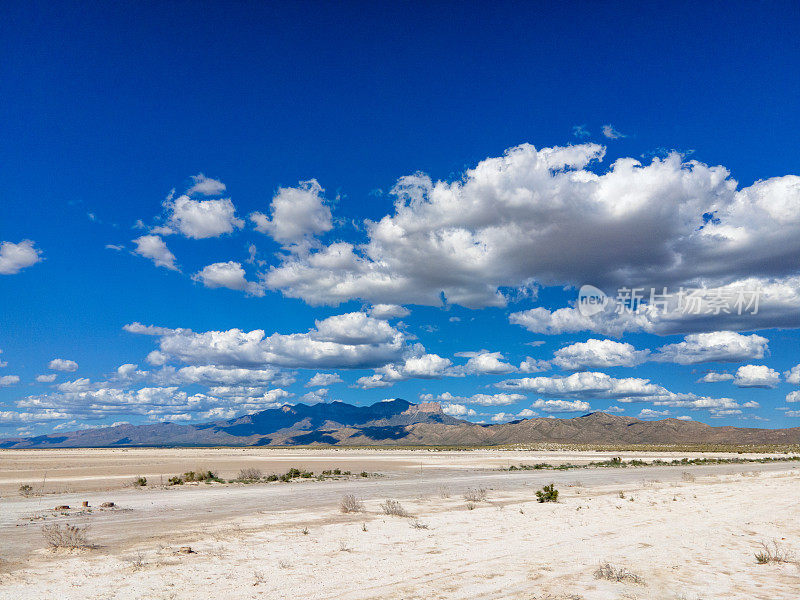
x,y
401,423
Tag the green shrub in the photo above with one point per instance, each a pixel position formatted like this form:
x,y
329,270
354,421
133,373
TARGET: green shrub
x,y
547,494
26,490
139,481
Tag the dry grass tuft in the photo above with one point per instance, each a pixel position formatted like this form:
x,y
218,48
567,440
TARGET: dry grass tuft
x,y
475,495
608,571
69,536
351,504
394,508
418,525
774,552
249,474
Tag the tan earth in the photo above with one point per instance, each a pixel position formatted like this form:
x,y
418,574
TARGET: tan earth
x,y
687,532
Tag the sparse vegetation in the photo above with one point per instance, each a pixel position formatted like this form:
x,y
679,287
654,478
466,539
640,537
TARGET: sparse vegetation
x,y
139,481
444,491
687,476
304,531
548,493
774,552
470,505
26,490
394,508
351,504
195,476
618,462
344,547
611,573
68,536
418,525
476,495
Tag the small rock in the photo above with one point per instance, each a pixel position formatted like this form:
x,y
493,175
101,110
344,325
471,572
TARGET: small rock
x,y
185,550
62,507
85,503
107,505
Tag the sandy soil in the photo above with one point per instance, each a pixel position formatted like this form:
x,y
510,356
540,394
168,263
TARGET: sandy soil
x,y
689,533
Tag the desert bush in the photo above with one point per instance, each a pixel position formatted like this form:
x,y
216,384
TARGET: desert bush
x,y
475,495
69,536
418,525
191,476
608,571
351,504
249,474
26,490
687,476
773,552
394,508
470,505
139,481
444,491
547,494
304,531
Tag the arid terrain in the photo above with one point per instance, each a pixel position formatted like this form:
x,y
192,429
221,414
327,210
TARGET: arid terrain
x,y
474,529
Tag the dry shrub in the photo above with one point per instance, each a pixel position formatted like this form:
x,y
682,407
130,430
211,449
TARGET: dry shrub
x,y
608,571
475,495
773,552
687,476
418,525
351,504
394,508
249,474
26,490
69,536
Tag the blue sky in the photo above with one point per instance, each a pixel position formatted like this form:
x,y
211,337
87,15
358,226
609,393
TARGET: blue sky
x,y
277,174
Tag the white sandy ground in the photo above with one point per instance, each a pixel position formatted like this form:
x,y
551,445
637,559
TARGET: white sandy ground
x,y
688,540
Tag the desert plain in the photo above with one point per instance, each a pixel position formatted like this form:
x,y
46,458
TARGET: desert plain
x,y
473,529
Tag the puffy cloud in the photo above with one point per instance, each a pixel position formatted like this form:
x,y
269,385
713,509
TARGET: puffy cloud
x,y
588,385
486,363
714,377
526,413
154,248
544,217
756,376
501,417
457,410
314,396
598,353
793,397
479,399
793,375
352,340
229,275
533,365
717,346
63,364
7,380
15,257
200,219
419,366
369,382
323,379
649,413
297,215
561,406
205,186
388,311
46,378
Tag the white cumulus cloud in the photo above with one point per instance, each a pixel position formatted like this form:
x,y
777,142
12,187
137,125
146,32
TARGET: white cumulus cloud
x,y
15,257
